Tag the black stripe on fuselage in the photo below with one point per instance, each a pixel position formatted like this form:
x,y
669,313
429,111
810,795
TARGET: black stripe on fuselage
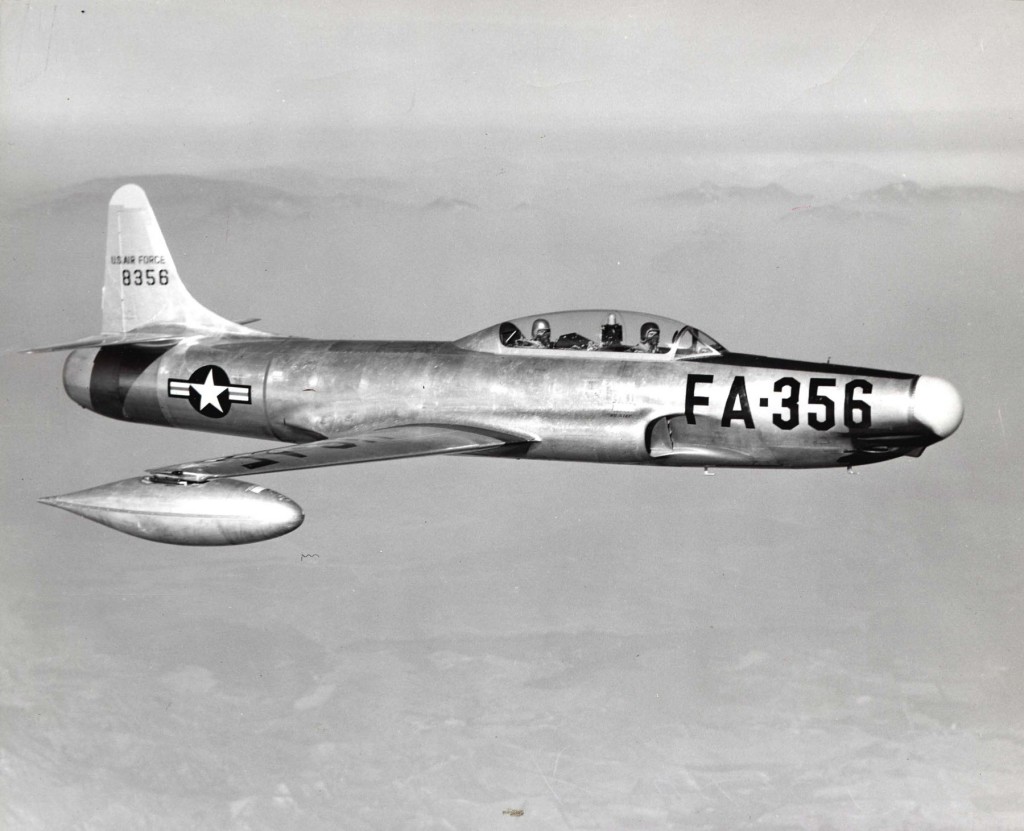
x,y
114,370
424,346
764,362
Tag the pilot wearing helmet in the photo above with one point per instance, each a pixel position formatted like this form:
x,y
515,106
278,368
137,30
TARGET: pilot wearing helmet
x,y
650,334
540,336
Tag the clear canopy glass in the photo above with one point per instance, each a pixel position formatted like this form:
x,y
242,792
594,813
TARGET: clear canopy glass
x,y
595,333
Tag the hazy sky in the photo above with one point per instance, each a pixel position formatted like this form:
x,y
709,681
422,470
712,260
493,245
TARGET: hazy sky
x,y
111,83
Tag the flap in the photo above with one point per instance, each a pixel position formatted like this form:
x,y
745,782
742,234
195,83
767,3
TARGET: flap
x,y
373,446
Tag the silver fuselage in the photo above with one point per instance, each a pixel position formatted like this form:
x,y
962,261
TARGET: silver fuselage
x,y
731,410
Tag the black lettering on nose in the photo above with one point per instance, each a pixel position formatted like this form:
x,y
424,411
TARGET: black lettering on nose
x,y
694,400
737,406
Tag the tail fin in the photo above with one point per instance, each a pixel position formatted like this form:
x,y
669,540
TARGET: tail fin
x,y
142,290
144,300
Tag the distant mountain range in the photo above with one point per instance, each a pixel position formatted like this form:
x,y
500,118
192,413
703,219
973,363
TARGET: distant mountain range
x,y
286,192
897,193
709,192
203,193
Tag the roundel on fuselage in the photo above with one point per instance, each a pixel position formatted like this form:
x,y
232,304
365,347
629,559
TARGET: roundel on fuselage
x,y
210,392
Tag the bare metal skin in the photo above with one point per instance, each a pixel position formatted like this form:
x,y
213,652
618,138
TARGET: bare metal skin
x,y
576,386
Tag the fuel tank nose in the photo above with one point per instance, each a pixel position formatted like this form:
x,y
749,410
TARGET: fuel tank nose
x,y
937,405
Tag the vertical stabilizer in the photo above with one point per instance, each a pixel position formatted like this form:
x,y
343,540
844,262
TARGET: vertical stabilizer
x,y
142,290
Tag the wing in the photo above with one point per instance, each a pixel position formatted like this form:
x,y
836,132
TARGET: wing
x,y
374,446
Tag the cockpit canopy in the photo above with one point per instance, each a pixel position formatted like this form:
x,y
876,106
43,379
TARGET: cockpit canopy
x,y
595,333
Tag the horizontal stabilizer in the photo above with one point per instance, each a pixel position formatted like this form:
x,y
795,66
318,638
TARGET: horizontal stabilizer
x,y
155,336
107,340
374,446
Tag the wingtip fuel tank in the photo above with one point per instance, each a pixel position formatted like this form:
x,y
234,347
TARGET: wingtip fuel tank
x,y
217,512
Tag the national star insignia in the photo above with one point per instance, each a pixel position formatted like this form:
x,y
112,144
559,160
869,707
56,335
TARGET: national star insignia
x,y
210,391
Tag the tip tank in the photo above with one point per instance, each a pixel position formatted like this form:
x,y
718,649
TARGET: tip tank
x,y
215,512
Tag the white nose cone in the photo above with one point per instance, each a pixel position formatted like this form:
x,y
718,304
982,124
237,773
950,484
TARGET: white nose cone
x,y
937,405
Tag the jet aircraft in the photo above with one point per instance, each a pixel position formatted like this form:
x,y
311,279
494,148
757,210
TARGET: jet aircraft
x,y
599,385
